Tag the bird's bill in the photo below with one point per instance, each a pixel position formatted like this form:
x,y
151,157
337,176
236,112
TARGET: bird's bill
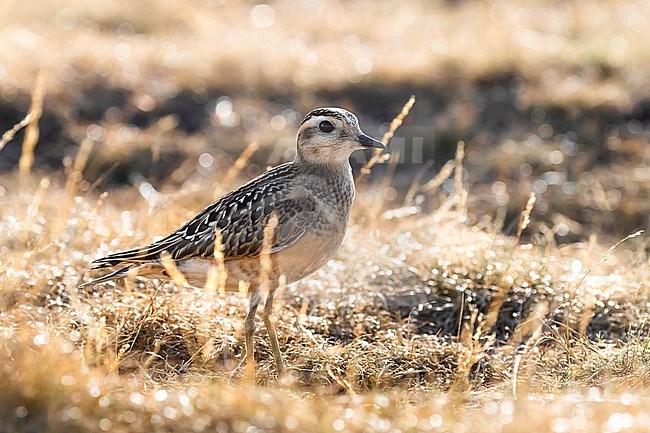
x,y
367,141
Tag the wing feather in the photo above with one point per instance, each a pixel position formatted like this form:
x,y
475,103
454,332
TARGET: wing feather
x,y
240,217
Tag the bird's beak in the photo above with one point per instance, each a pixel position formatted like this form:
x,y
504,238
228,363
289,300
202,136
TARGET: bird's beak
x,y
366,141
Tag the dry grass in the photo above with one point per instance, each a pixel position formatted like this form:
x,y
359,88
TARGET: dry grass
x,y
429,318
408,328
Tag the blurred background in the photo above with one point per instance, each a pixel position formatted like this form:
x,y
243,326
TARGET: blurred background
x,y
550,97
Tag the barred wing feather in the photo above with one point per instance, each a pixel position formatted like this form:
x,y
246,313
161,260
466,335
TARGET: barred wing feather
x,y
240,217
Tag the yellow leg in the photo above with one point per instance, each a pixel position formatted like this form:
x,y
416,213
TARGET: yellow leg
x,y
249,332
269,321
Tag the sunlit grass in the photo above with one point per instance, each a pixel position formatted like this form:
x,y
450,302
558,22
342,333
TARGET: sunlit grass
x,y
429,318
407,327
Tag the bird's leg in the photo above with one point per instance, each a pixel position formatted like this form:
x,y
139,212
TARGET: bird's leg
x,y
249,331
269,321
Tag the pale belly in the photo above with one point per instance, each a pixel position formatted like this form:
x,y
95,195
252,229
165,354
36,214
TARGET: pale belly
x,y
308,255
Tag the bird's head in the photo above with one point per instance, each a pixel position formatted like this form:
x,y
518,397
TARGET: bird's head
x,y
330,135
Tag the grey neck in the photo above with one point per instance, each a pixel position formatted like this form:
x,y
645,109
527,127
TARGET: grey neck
x,y
334,166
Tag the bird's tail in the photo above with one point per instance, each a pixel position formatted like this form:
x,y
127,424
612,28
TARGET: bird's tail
x,y
144,261
116,275
133,256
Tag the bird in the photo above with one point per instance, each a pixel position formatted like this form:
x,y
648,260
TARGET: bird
x,y
274,230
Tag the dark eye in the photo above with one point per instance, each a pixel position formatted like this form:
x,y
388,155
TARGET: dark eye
x,y
326,126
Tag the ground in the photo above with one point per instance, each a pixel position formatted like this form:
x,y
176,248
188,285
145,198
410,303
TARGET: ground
x,y
456,303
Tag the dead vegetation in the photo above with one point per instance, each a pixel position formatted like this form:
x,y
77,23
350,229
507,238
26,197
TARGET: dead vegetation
x,y
403,328
430,317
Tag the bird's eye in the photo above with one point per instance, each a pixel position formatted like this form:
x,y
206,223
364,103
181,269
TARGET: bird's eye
x,y
326,126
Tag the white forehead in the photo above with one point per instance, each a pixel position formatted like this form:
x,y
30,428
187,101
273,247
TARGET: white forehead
x,y
332,112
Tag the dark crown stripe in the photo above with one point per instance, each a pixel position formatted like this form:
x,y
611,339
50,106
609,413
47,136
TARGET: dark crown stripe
x,y
323,112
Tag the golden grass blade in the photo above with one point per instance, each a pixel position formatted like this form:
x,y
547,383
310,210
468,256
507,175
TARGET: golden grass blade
x,y
460,192
267,244
524,218
241,162
220,258
378,157
32,132
172,270
11,133
81,159
607,256
532,327
498,298
162,127
444,173
458,174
